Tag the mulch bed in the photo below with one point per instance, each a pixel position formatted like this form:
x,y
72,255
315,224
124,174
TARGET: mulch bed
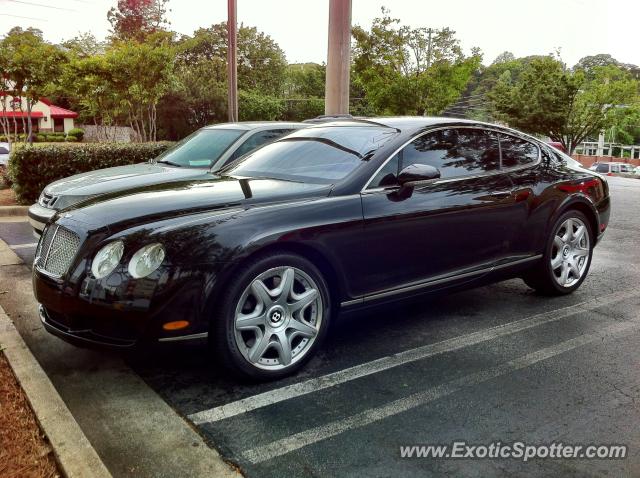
x,y
7,197
24,450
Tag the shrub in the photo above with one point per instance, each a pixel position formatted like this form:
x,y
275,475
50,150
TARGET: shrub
x,y
55,138
77,132
33,167
41,138
4,177
71,139
254,106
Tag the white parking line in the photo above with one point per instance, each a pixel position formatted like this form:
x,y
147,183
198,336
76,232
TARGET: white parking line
x,y
314,435
330,380
24,246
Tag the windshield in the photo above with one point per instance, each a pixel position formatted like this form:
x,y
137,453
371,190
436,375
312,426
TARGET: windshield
x,y
200,149
315,155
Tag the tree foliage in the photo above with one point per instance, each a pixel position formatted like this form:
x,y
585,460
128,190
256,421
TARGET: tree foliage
x,y
410,71
261,62
137,19
29,66
567,106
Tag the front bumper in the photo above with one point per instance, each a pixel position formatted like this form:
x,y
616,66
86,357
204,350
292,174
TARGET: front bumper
x,y
39,217
82,337
88,315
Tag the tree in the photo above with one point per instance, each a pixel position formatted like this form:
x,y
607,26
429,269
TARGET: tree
x,y
566,106
142,73
137,19
95,95
261,62
29,66
410,71
623,124
504,57
305,80
588,63
84,45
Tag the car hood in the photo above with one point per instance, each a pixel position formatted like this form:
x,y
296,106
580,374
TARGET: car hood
x,y
119,178
160,201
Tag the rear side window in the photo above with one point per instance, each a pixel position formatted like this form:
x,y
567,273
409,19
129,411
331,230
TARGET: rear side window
x,y
3,150
455,152
517,152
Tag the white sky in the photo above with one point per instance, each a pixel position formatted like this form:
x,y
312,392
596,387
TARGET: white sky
x,y
524,27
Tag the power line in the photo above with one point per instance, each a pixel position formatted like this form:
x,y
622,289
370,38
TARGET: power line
x,y
33,4
21,16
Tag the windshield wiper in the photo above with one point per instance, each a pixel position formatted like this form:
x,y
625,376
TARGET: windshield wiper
x,y
170,163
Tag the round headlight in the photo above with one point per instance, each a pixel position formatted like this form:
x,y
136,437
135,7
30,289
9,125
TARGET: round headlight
x,y
107,259
146,260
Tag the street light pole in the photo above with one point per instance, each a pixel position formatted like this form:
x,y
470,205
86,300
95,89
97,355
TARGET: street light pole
x,y
232,60
338,58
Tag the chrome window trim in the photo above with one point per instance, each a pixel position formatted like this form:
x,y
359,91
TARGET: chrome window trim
x,y
364,190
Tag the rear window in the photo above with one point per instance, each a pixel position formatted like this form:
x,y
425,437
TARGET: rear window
x,y
602,168
3,150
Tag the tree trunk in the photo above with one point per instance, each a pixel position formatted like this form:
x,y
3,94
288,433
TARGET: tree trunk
x,y
29,124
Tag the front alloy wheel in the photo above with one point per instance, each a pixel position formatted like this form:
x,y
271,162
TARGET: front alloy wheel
x,y
271,317
277,318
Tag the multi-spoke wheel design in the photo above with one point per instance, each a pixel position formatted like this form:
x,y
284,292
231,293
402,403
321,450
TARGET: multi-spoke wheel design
x,y
567,256
278,317
570,252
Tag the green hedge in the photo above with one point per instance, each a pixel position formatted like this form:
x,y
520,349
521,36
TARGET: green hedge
x,y
33,167
77,132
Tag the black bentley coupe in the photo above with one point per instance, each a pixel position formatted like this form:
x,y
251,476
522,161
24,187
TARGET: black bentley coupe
x,y
333,217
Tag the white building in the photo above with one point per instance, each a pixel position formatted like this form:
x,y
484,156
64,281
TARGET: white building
x,y
45,116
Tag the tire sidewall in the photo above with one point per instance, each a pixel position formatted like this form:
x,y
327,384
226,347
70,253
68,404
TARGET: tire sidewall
x,y
223,326
549,249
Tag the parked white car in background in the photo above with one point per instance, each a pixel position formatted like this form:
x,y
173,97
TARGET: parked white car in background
x,y
611,168
4,154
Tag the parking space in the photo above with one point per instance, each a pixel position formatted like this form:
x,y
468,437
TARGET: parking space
x,y
498,363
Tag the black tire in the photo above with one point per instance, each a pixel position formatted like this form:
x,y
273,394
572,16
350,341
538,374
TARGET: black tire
x,y
541,277
223,331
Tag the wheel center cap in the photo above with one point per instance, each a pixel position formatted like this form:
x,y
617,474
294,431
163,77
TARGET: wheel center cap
x,y
565,251
276,316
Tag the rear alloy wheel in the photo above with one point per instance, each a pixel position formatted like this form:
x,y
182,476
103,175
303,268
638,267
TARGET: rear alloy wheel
x,y
567,256
570,252
276,318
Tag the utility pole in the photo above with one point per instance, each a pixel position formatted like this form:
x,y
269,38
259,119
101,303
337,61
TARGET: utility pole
x,y
338,58
232,59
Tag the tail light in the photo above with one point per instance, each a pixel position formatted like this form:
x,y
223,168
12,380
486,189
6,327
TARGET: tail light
x,y
594,188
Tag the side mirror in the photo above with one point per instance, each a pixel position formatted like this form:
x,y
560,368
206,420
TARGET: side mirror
x,y
416,173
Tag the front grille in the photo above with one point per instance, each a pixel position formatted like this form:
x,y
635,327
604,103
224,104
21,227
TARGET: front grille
x,y
56,250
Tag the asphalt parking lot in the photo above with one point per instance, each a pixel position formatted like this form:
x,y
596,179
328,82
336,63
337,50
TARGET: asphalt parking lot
x,y
498,363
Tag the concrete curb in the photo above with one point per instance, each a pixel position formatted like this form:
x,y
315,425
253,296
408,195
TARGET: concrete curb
x,y
13,210
74,453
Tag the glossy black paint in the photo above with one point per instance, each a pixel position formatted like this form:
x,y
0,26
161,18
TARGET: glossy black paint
x,y
372,245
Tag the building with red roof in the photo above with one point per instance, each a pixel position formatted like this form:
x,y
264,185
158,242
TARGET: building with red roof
x,y
45,116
